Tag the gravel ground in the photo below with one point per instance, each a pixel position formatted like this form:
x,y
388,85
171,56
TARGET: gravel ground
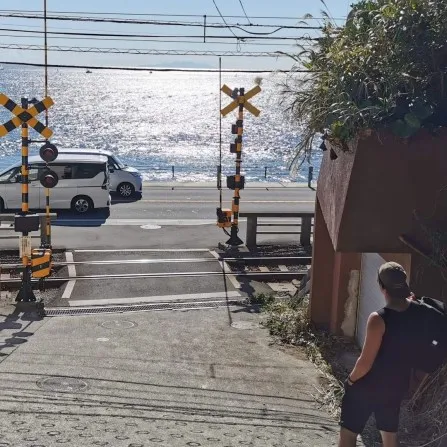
x,y
12,257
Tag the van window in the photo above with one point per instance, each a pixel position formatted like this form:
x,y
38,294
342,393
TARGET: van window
x,y
87,170
33,175
7,176
112,164
77,170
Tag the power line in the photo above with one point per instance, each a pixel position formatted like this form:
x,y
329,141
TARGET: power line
x,y
155,40
136,51
224,21
242,39
245,12
167,15
147,69
157,22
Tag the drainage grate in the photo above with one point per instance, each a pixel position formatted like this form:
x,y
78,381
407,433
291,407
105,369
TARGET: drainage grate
x,y
67,311
117,324
62,384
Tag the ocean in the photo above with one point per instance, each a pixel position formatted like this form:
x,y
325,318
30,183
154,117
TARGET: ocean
x,y
160,122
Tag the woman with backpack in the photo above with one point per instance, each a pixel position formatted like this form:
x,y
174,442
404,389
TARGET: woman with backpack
x,y
381,376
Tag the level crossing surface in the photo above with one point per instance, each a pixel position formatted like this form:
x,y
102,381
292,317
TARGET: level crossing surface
x,y
144,276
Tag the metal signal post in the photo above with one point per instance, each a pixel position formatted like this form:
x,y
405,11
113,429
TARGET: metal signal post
x,y
236,182
35,263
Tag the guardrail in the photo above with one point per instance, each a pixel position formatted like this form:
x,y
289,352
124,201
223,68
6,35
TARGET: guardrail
x,y
260,171
305,225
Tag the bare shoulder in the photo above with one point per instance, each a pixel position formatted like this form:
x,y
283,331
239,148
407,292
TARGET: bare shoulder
x,y
375,322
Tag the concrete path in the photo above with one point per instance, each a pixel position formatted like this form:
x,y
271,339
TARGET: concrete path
x,y
196,378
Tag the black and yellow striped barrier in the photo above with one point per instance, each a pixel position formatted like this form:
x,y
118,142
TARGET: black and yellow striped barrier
x,y
40,263
237,182
24,115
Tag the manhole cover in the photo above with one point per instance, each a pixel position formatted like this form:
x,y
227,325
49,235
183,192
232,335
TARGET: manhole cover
x,y
150,227
244,325
118,324
62,384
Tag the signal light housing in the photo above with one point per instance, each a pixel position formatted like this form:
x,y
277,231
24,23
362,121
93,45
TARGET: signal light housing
x,y
232,184
48,178
27,223
48,152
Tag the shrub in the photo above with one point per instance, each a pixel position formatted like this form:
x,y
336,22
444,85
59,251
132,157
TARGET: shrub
x,y
385,68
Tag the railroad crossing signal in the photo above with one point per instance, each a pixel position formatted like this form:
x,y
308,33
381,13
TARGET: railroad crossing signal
x,y
36,263
227,218
240,99
25,116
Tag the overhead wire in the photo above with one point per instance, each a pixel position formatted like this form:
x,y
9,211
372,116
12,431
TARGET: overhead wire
x,y
108,13
68,33
224,21
105,39
137,51
158,22
147,69
245,12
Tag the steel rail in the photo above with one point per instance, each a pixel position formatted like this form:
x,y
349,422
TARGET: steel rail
x,y
61,279
267,259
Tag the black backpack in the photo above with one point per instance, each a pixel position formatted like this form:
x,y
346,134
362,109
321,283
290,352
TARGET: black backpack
x,y
431,339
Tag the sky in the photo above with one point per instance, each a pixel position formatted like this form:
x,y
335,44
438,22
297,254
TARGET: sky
x,y
190,38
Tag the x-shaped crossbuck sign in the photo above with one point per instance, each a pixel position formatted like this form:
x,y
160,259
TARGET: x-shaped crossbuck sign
x,y
241,100
25,116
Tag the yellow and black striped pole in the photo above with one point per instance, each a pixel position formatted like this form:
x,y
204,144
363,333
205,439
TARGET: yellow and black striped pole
x,y
47,218
234,238
26,291
25,170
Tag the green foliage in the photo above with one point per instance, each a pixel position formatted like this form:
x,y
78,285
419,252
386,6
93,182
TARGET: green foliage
x,y
262,299
385,68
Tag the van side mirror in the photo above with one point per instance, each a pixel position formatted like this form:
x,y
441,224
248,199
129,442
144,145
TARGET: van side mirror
x,y
111,170
19,178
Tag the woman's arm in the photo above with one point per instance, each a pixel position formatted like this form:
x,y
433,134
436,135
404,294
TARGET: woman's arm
x,y
375,329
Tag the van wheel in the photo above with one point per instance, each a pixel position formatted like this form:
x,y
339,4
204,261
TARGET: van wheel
x,y
126,190
81,204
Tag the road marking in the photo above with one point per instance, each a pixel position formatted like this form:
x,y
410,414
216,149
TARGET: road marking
x,y
160,222
213,201
225,269
136,222
152,299
71,273
155,250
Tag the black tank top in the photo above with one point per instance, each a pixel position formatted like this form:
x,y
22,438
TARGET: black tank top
x,y
391,370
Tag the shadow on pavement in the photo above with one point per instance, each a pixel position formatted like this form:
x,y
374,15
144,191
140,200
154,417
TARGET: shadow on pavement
x,y
142,396
20,319
95,218
116,199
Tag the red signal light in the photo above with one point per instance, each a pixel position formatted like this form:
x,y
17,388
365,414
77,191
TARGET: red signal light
x,y
48,152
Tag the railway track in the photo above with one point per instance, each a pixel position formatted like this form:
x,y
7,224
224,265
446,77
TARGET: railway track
x,y
259,268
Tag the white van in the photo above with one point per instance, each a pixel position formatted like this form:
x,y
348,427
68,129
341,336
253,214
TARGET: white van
x,y
83,184
124,180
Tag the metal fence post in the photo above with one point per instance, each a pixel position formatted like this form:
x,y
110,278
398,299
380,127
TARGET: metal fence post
x,y
252,230
306,229
265,172
173,171
310,176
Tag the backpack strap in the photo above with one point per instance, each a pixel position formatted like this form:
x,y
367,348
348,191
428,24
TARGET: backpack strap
x,y
435,304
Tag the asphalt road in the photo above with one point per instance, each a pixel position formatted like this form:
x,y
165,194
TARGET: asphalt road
x,y
183,217
201,203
